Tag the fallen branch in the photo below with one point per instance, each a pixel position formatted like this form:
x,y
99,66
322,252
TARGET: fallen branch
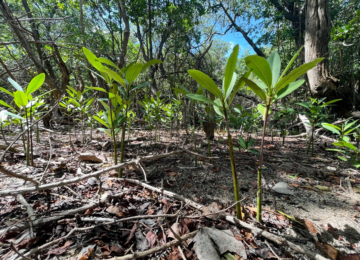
x,y
13,174
38,222
47,245
155,249
96,174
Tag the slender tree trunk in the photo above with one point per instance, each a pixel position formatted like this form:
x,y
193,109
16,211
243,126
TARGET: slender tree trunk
x,y
317,36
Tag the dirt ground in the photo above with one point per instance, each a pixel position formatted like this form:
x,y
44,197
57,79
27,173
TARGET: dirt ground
x,y
324,190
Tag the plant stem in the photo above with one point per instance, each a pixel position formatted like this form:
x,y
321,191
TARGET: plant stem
x,y
2,133
123,142
28,140
259,193
37,133
209,148
233,166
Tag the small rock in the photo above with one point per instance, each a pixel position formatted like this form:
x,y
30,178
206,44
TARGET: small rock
x,y
330,168
283,188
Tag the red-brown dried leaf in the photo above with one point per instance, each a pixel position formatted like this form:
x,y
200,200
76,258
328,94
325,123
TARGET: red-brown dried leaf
x,y
131,235
309,225
151,238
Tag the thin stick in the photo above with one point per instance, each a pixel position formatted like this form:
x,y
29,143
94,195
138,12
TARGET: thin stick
x,y
156,249
20,254
13,174
47,166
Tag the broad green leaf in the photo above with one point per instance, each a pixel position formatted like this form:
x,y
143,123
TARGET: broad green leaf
x,y
333,128
293,75
242,142
106,106
255,88
15,84
6,104
231,86
35,83
108,62
21,98
275,66
70,93
290,63
97,88
230,69
133,72
261,68
124,70
206,82
304,104
93,59
343,158
106,131
350,146
262,109
254,151
323,188
239,84
7,91
151,62
201,98
289,89
73,90
115,76
200,90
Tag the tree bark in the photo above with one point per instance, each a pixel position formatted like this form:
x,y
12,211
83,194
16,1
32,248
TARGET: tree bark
x,y
125,40
317,36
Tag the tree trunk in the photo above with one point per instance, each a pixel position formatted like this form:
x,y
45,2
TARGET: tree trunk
x,y
317,36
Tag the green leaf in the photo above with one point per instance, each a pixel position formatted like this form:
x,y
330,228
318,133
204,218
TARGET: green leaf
x,y
93,59
151,62
6,104
350,146
242,142
90,101
275,66
73,90
97,88
254,151
101,121
230,69
115,76
239,84
13,115
262,108
21,98
35,83
7,91
293,75
330,102
255,88
261,68
201,98
333,128
350,125
133,72
289,89
108,62
181,91
15,84
343,158
206,82
290,63
231,86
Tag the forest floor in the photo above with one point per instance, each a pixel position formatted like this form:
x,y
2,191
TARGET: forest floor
x,y
311,204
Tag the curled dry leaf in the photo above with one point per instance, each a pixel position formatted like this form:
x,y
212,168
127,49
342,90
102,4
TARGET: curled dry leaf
x,y
89,157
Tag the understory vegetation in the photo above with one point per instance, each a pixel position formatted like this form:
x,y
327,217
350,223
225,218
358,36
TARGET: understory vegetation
x,y
136,129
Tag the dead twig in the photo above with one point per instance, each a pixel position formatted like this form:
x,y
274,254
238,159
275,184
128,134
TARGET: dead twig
x,y
156,249
13,174
47,166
